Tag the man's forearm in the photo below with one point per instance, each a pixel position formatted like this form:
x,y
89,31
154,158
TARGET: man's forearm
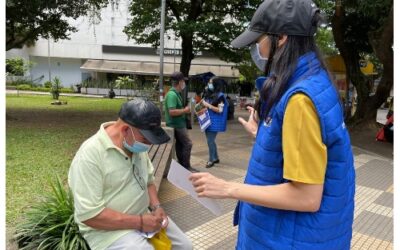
x,y
152,190
110,219
176,112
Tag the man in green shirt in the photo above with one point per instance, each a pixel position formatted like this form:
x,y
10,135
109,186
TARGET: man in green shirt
x,y
111,178
175,117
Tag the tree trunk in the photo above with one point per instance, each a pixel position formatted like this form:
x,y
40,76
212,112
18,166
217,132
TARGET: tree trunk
x,y
381,42
365,111
187,53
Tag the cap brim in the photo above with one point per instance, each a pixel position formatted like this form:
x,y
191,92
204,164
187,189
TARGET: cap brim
x,y
246,38
155,136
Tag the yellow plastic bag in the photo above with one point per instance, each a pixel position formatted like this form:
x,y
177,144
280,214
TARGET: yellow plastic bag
x,y
160,241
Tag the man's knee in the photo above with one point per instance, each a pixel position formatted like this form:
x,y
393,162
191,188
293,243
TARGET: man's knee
x,y
131,240
184,243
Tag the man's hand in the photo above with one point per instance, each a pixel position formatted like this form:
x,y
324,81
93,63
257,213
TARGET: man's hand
x,y
251,125
151,222
159,212
186,110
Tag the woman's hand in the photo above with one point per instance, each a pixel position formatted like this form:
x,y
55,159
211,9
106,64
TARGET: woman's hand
x,y
251,125
206,104
207,185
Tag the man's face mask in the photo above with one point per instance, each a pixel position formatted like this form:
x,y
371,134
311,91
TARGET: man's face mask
x,y
260,61
137,147
183,85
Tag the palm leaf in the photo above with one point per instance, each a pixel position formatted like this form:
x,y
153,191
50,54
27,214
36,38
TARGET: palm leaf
x,y
49,224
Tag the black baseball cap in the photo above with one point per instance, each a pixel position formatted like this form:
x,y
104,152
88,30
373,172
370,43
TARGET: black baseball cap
x,y
290,17
177,76
145,116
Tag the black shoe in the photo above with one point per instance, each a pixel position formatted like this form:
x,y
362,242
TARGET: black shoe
x,y
216,161
209,164
193,170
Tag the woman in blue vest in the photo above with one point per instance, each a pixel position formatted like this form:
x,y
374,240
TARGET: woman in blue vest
x,y
299,188
214,100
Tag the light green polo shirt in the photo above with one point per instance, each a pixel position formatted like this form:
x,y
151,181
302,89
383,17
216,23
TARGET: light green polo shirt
x,y
101,175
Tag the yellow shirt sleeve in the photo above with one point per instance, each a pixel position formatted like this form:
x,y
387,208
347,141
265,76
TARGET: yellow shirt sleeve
x,y
304,153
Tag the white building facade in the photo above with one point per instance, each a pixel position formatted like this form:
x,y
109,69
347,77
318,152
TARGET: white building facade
x,y
96,51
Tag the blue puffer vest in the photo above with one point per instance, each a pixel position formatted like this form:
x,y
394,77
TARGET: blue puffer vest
x,y
218,120
331,226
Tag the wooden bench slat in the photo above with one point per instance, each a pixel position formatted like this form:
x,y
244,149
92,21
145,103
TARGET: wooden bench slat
x,y
160,156
153,151
157,158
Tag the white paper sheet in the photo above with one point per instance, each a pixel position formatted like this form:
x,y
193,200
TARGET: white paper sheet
x,y
179,176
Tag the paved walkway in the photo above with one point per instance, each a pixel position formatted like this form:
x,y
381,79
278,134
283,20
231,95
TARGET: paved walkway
x,y
373,222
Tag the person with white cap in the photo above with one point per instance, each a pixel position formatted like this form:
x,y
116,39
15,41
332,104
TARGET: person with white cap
x,y
111,178
298,192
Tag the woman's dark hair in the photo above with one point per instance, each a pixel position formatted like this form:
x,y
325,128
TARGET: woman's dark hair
x,y
282,63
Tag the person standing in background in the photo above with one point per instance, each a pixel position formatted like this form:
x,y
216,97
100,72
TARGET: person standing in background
x,y
217,105
175,117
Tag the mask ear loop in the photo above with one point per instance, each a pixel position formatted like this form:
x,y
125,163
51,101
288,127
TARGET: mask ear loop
x,y
133,135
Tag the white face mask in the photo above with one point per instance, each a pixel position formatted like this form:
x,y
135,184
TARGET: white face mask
x,y
183,86
260,61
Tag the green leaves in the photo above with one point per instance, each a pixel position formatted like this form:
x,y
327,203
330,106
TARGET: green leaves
x,y
49,223
18,66
26,20
210,25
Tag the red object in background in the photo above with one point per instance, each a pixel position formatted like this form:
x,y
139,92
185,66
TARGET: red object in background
x,y
380,136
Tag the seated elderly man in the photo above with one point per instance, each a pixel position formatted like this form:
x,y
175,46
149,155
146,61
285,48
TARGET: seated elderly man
x,y
111,177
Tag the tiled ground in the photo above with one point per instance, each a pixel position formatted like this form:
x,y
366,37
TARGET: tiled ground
x,y
373,218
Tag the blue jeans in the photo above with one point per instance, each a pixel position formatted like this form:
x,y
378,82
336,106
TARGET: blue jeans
x,y
212,146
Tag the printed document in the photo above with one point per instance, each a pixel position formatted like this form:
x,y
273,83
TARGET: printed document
x,y
179,176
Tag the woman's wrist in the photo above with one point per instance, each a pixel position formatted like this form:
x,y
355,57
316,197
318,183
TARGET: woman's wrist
x,y
231,190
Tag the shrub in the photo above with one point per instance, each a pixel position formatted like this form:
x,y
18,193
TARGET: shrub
x,y
24,87
20,82
47,84
49,224
55,88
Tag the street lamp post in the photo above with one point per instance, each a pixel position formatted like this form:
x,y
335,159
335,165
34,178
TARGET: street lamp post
x,y
48,57
162,53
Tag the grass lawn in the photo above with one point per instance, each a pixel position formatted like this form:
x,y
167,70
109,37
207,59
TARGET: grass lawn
x,y
41,140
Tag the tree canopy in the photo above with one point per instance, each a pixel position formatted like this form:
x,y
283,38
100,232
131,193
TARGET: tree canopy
x,y
201,25
27,20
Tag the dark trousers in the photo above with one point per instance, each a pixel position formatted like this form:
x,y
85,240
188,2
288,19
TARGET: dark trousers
x,y
183,146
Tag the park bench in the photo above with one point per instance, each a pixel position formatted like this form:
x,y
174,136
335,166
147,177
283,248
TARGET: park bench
x,y
160,156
